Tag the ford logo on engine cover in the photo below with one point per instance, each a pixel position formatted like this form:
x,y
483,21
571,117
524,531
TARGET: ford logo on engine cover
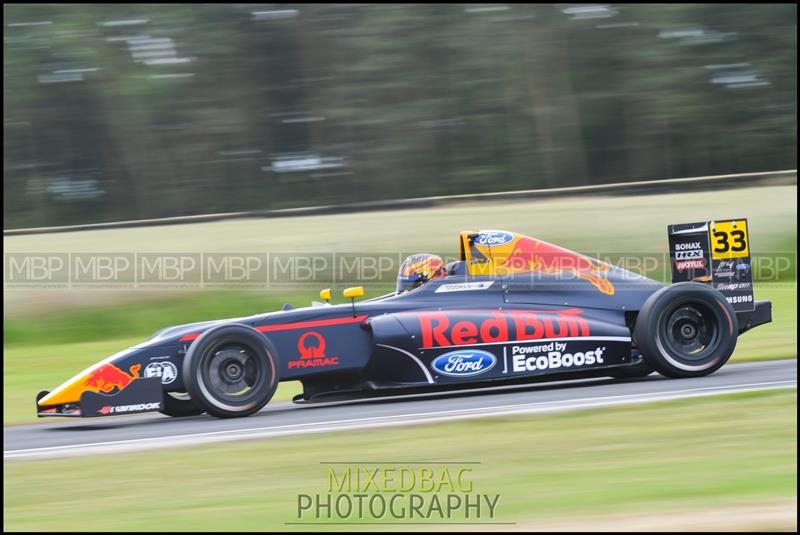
x,y
494,238
464,363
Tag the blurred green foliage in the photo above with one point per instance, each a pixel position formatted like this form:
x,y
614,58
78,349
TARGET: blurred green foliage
x,y
121,111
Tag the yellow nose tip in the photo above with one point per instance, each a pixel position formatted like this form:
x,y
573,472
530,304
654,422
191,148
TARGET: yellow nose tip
x,y
69,392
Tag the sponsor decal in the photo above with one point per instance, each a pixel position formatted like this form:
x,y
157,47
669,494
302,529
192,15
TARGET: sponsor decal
x,y
725,269
689,246
730,254
122,409
464,287
689,252
683,265
108,377
733,286
552,356
493,238
736,299
311,347
464,363
164,370
440,329
730,269
688,255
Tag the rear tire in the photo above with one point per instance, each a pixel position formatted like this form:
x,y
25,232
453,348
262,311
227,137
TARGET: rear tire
x,y
179,404
687,329
231,371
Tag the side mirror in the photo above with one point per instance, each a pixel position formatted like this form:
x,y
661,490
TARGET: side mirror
x,y
352,293
325,295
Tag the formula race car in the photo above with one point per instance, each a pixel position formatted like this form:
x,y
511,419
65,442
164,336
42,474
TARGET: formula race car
x,y
511,309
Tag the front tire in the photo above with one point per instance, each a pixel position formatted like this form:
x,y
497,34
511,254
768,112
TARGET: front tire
x,y
687,329
231,371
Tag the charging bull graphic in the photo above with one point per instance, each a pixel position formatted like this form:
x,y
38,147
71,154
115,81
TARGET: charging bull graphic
x,y
108,377
530,254
503,253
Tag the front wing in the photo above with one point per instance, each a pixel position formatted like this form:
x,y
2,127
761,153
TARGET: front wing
x,y
141,395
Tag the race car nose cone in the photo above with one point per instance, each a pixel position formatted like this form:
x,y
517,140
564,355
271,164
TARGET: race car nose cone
x,y
104,377
68,392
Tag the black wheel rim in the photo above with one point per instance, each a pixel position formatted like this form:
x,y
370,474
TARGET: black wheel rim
x,y
691,331
233,372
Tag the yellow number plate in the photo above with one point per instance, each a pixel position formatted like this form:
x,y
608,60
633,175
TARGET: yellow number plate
x,y
729,239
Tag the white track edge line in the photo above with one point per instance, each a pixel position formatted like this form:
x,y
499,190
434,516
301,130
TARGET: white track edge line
x,y
400,419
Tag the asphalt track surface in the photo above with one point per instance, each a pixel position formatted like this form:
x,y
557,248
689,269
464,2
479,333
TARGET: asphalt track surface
x,y
66,437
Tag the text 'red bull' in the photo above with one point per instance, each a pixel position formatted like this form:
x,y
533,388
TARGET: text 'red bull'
x,y
440,329
108,377
535,255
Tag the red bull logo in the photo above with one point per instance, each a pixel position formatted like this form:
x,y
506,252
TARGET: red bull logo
x,y
529,254
311,346
108,378
441,329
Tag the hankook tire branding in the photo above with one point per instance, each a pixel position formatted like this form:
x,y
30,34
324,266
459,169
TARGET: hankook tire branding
x,y
121,409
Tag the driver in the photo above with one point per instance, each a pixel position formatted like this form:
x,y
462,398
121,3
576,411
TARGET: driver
x,y
418,269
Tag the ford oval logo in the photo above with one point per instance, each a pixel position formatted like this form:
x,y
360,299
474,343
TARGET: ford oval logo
x,y
464,363
494,238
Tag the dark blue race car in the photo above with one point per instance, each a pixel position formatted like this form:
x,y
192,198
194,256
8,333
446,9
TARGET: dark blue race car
x,y
512,309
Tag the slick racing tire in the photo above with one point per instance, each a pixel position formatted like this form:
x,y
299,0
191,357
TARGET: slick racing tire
x,y
231,371
687,329
179,404
643,369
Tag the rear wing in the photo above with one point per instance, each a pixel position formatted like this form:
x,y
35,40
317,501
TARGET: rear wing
x,y
717,253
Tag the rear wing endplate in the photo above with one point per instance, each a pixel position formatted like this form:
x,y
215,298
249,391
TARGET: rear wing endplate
x,y
715,253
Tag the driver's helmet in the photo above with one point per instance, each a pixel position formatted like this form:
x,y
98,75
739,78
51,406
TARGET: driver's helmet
x,y
418,269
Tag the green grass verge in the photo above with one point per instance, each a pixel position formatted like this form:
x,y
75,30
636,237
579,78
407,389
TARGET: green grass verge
x,y
656,458
636,223
143,318
598,226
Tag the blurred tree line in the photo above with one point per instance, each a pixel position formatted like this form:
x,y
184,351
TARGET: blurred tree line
x,y
134,111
